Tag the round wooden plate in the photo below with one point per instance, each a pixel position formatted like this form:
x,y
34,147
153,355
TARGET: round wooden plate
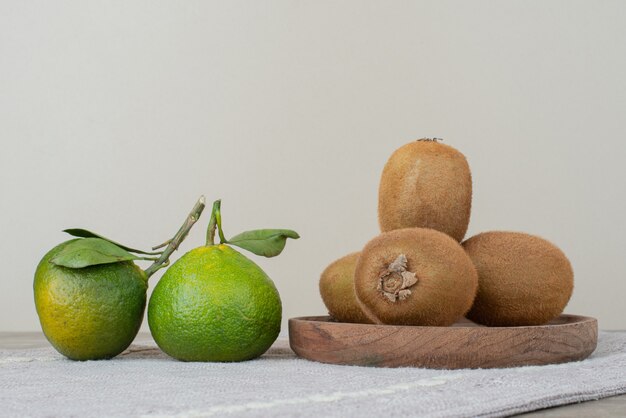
x,y
463,345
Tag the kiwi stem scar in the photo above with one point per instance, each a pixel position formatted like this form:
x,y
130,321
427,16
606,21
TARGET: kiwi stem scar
x,y
172,244
394,282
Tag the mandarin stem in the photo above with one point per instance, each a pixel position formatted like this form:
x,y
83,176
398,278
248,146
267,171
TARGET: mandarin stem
x,y
218,218
173,244
215,223
210,231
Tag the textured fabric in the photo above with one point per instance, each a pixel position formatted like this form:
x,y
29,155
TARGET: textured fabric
x,y
143,382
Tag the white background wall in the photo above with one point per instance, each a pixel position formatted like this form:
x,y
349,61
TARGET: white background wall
x,y
115,116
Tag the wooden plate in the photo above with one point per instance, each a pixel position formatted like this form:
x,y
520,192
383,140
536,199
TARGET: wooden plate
x,y
463,345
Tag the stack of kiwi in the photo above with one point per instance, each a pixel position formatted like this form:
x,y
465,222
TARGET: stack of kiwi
x,y
420,271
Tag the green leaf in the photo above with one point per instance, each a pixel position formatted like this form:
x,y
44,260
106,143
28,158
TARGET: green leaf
x,y
83,233
264,242
90,252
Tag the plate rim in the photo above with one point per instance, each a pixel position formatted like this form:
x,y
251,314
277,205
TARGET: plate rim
x,y
576,319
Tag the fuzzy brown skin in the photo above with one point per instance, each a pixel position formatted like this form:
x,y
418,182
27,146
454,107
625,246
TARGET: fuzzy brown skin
x,y
446,278
522,279
426,184
337,290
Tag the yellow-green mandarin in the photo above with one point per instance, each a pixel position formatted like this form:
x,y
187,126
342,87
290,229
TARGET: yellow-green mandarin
x,y
89,313
214,304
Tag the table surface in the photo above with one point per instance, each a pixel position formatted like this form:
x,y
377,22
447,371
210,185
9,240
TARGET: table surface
x,y
608,407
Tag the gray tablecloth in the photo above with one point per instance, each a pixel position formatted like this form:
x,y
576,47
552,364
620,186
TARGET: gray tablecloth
x,y
144,382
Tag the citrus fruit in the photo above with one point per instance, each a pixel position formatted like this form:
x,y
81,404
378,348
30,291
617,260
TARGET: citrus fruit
x,y
92,312
214,304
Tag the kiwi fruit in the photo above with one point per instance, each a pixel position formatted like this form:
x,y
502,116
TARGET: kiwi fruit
x,y
522,279
337,290
415,276
426,184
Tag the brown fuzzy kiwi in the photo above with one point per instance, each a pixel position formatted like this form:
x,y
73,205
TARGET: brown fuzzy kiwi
x,y
415,276
522,279
337,290
426,184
